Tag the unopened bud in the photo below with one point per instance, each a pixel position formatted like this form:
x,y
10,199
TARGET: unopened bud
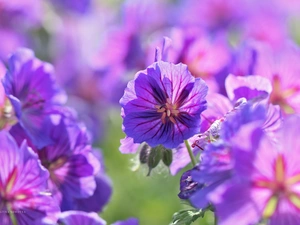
x,y
154,158
144,153
167,157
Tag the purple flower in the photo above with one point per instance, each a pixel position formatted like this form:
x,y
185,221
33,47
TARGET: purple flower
x,y
97,201
101,195
254,88
10,40
23,185
30,86
281,68
187,185
240,90
130,221
162,105
245,59
215,14
274,31
17,18
80,218
217,162
206,57
70,162
78,6
266,186
20,12
127,146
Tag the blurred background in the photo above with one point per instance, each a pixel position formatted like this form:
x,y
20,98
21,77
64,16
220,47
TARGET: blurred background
x,y
96,47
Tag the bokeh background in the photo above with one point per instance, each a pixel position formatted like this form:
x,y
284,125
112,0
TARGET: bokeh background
x,y
96,47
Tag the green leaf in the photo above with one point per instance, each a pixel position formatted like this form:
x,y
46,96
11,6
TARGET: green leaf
x,y
187,216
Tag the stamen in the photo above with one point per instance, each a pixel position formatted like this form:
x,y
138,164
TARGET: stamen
x,y
169,111
270,207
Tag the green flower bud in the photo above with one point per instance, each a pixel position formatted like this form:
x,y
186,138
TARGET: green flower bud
x,y
167,157
154,158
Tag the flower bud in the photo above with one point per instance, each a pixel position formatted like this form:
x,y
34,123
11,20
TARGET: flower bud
x,y
154,158
144,153
167,157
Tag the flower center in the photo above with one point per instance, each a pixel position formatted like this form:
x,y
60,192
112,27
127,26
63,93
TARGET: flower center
x,y
280,96
52,165
7,192
169,111
280,185
7,114
34,99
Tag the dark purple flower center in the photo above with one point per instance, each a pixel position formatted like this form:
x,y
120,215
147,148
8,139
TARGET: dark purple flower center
x,y
169,111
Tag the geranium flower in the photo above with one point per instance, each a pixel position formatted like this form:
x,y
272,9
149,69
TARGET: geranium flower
x,y
23,185
70,162
266,185
162,105
80,218
30,86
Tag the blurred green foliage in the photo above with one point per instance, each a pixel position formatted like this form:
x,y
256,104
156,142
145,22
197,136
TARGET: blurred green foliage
x,y
152,199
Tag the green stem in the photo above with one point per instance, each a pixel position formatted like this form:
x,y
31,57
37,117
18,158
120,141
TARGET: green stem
x,y
12,216
194,162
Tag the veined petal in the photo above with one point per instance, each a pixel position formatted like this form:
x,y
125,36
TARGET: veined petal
x,y
250,87
163,105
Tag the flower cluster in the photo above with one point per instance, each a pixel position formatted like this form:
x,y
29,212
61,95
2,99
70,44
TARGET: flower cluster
x,y
48,165
210,83
237,118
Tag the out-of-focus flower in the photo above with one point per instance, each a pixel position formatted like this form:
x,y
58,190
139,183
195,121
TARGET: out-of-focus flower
x,y
145,16
240,90
216,161
213,15
245,58
207,56
18,10
30,86
23,185
102,193
130,221
78,6
17,18
10,40
75,42
252,88
282,69
70,162
162,105
80,218
273,31
265,186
